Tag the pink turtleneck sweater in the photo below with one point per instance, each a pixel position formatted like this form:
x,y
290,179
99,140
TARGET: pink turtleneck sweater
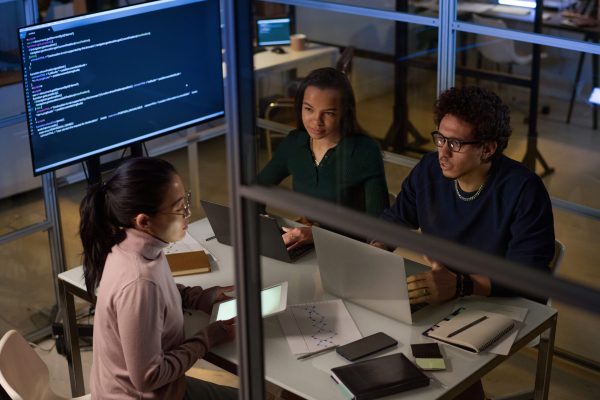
x,y
139,346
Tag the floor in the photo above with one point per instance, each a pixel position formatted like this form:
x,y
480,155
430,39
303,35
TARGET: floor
x,y
573,150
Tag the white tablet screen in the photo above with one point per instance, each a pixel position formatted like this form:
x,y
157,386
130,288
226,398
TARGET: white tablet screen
x,y
273,299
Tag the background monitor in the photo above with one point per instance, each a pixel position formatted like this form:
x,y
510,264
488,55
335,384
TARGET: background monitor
x,y
272,31
103,81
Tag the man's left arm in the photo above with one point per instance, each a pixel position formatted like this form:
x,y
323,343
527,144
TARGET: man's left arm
x,y
532,233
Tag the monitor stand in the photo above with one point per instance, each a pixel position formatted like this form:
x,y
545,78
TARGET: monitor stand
x,y
95,169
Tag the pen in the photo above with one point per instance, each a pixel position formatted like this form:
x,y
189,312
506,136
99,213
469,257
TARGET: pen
x,y
456,332
315,353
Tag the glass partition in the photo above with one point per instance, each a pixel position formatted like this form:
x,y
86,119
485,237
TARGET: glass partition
x,y
26,285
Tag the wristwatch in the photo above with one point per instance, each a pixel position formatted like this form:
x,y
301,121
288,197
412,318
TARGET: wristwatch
x,y
464,285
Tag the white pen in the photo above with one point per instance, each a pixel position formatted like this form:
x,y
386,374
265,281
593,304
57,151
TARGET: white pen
x,y
315,353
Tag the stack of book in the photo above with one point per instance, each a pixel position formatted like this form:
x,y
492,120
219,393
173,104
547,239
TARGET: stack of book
x,y
187,257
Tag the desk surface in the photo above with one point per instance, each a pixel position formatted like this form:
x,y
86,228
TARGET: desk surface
x,y
552,19
281,366
268,62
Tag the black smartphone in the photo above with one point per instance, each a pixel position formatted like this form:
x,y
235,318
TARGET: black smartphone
x,y
366,346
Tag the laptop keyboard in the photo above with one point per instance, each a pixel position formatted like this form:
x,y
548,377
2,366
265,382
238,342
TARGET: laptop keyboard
x,y
299,251
416,307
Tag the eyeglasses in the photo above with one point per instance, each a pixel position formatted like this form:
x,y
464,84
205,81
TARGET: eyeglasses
x,y
187,206
453,144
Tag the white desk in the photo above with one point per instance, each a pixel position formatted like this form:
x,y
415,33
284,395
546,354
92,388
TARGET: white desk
x,y
267,62
281,366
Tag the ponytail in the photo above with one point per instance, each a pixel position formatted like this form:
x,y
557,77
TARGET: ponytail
x,y
137,186
97,234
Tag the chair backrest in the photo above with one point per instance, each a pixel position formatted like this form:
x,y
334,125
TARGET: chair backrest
x,y
496,49
344,63
23,374
559,253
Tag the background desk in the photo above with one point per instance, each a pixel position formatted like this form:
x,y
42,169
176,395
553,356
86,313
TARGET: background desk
x,y
310,378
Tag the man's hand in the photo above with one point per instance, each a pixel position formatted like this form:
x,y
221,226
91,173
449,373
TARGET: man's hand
x,y
435,286
379,245
297,237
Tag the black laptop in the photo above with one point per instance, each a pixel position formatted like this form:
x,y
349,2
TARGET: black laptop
x,y
271,242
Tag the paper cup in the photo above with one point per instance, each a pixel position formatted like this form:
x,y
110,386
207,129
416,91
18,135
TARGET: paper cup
x,y
298,41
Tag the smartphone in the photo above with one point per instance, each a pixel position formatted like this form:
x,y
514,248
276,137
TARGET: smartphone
x,y
366,346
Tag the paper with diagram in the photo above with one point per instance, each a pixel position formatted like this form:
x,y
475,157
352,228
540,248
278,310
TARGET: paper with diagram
x,y
314,326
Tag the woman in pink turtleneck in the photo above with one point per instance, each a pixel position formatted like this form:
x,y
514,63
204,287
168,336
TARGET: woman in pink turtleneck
x,y
139,347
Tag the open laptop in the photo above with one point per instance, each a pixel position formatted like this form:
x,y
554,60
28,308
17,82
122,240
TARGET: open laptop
x,y
365,275
271,242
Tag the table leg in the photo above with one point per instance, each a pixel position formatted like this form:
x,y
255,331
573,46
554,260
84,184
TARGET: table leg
x,y
544,364
72,350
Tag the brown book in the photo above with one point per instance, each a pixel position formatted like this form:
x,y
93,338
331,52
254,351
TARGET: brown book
x,y
188,263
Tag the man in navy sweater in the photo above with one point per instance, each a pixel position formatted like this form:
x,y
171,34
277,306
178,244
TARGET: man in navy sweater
x,y
470,193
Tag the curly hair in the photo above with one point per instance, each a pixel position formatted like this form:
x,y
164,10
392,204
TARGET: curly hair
x,y
482,109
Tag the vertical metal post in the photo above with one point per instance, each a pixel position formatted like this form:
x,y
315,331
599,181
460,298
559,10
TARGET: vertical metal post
x,y
446,46
55,231
31,11
240,115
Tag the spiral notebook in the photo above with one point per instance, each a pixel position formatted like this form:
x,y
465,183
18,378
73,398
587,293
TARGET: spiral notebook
x,y
470,329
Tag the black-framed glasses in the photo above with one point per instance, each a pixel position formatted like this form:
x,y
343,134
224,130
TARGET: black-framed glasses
x,y
453,144
187,206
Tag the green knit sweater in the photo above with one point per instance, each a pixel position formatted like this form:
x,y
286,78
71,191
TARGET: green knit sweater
x,y
350,174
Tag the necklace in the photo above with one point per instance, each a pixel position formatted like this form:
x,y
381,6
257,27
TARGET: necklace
x,y
471,198
312,152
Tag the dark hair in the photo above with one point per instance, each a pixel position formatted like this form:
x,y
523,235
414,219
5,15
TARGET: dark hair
x,y
137,186
482,108
330,78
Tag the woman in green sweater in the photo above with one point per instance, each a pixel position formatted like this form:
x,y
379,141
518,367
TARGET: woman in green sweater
x,y
328,155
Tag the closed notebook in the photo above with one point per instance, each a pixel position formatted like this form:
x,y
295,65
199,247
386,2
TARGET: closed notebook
x,y
190,262
472,330
379,377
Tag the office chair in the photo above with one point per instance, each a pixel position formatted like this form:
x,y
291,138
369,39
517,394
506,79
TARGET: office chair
x,y
499,51
23,374
283,108
559,253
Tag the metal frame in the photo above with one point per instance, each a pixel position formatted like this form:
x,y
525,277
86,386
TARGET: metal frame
x,y
239,111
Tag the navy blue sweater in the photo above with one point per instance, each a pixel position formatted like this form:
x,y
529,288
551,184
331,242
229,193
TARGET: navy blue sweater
x,y
511,218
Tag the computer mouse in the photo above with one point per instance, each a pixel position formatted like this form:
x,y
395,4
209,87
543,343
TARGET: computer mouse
x,y
278,50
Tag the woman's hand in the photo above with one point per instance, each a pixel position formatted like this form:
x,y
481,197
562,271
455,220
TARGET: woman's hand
x,y
220,332
297,237
215,294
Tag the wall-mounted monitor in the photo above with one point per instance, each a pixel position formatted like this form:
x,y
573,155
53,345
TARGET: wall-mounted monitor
x,y
103,81
272,31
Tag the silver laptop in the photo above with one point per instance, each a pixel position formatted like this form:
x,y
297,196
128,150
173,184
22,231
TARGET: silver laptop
x,y
364,274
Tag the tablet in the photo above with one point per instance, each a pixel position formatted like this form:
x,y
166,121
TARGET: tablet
x,y
273,300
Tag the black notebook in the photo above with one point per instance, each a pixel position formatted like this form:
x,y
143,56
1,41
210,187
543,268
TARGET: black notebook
x,y
379,377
